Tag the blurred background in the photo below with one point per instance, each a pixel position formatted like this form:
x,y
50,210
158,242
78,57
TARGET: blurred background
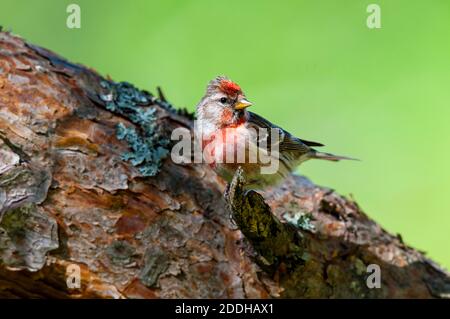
x,y
313,67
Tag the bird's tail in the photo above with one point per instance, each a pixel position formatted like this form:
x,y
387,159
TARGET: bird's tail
x,y
330,157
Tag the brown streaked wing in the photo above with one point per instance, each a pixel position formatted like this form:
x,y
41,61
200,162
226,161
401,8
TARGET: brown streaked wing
x,y
289,143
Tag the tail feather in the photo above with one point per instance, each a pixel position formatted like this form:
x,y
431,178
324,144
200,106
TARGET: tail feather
x,y
330,157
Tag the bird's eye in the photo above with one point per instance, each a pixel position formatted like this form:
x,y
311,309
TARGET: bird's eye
x,y
223,100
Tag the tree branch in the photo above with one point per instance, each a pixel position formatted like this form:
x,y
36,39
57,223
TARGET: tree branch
x,y
86,180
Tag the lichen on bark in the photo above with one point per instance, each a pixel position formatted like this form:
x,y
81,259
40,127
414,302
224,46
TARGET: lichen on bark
x,y
149,147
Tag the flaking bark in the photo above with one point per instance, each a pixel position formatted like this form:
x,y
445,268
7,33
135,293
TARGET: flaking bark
x,y
140,226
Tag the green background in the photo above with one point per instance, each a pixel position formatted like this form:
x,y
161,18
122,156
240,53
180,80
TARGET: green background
x,y
312,67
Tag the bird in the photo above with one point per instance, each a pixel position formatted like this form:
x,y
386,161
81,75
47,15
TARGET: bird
x,y
225,125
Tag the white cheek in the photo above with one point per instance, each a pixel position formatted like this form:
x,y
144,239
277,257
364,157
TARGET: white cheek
x,y
209,119
214,111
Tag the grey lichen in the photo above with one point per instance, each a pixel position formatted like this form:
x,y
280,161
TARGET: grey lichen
x,y
147,153
156,262
148,145
300,220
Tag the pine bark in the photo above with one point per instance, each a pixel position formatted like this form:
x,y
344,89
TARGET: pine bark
x,y
156,229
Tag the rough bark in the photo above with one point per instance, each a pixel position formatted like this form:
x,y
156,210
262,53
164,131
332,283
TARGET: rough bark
x,y
76,188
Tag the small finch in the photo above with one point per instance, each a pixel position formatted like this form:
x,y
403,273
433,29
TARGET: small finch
x,y
232,137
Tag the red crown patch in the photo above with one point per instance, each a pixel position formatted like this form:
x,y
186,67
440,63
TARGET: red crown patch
x,y
229,87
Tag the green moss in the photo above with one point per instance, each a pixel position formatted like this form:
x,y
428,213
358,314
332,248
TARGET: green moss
x,y
14,222
272,240
148,145
360,267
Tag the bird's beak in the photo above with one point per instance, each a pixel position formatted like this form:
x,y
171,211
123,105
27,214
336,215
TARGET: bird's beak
x,y
242,104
